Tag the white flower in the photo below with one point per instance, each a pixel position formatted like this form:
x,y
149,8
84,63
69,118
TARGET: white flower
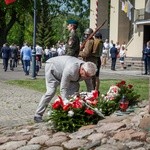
x,y
96,109
66,101
49,112
70,113
100,109
102,95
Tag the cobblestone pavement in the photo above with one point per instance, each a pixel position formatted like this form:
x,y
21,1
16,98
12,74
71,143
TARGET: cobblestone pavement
x,y
19,104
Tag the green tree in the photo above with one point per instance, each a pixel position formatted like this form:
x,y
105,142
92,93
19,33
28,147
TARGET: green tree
x,y
10,14
44,28
16,20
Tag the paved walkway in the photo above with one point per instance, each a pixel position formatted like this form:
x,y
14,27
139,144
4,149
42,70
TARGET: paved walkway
x,y
19,104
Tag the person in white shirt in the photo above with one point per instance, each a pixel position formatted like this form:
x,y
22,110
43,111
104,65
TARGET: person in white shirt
x,y
105,53
39,52
46,53
110,46
122,55
60,50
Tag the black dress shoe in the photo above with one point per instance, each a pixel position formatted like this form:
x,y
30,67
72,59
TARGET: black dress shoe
x,y
144,73
38,119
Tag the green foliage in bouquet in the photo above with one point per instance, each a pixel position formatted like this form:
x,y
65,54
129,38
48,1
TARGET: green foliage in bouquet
x,y
128,91
107,107
78,112
63,122
109,102
87,108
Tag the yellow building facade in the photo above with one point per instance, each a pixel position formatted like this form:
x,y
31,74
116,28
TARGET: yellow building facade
x,y
127,21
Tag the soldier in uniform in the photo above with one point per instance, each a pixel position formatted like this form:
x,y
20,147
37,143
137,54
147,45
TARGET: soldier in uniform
x,y
92,52
86,52
97,52
73,42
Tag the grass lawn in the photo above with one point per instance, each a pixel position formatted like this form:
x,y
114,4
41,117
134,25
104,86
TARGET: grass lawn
x,y
141,86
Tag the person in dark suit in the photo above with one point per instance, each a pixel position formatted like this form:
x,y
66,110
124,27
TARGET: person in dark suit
x,y
66,71
5,55
146,58
113,53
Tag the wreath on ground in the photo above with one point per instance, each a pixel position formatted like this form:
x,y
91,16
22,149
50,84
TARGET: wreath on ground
x,y
87,108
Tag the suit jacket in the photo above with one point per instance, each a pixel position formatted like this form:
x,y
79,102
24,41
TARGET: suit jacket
x,y
146,53
65,70
113,52
5,52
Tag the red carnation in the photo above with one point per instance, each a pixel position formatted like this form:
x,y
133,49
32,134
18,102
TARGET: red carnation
x,y
95,94
123,82
61,101
118,84
77,104
66,107
94,102
89,111
56,105
130,86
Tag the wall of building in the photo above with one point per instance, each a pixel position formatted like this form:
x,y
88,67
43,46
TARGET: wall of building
x,y
136,46
114,21
120,25
123,26
93,14
98,14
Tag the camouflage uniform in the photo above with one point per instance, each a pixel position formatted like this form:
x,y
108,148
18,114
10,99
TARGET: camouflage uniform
x,y
86,54
97,52
73,44
92,52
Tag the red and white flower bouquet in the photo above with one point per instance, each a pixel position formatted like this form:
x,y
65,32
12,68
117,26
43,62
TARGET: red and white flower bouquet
x,y
87,108
82,109
110,102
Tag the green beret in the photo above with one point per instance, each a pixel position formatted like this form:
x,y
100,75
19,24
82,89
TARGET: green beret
x,y
72,22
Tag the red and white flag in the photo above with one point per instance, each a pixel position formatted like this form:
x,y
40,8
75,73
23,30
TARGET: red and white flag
x,y
9,1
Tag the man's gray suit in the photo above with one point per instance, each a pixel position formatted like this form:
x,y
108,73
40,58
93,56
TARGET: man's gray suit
x,y
63,71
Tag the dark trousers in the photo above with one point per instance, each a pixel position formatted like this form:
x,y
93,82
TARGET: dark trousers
x,y
148,65
12,63
145,65
113,63
5,63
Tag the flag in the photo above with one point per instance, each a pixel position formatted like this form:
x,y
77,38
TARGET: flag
x,y
147,7
9,1
125,7
130,6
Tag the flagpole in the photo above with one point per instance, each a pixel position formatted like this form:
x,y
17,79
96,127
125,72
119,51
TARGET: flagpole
x,y
34,45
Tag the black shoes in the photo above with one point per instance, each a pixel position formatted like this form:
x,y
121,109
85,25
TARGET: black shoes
x,y
113,69
145,74
38,119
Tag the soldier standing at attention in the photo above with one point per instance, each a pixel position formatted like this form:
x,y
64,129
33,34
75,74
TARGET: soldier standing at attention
x,y
92,52
73,42
86,52
97,52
